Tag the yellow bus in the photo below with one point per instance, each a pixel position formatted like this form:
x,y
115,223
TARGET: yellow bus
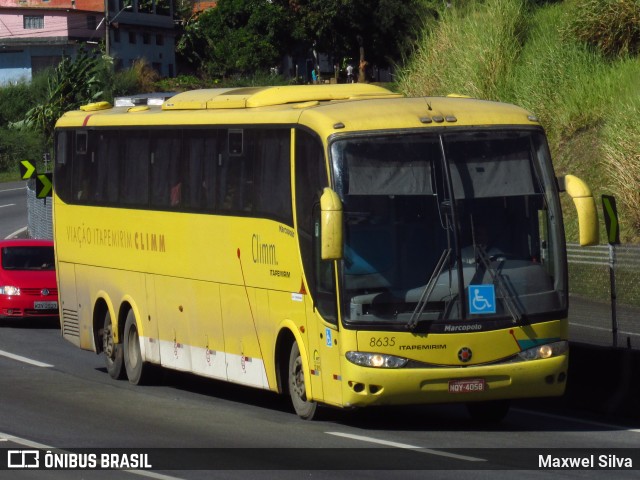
x,y
340,244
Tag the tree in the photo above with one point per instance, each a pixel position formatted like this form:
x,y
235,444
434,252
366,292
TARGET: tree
x,y
19,144
380,32
246,36
239,37
72,83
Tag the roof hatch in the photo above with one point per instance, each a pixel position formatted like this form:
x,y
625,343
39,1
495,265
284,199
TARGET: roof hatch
x,y
252,97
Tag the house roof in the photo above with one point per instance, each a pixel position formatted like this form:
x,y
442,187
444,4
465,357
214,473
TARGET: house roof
x,y
202,5
83,5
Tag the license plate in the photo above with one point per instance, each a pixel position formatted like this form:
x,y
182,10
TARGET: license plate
x,y
470,385
45,305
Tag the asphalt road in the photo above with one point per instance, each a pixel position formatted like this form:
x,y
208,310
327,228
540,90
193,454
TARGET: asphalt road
x,y
13,207
53,395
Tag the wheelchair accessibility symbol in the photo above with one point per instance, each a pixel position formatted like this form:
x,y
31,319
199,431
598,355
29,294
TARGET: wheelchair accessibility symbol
x,y
482,299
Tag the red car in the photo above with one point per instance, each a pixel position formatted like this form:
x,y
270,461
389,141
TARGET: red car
x,y
28,286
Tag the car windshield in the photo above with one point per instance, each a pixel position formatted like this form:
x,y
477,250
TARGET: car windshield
x,y
28,258
430,215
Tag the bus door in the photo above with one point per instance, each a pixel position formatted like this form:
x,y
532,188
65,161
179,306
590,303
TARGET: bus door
x,y
324,342
324,361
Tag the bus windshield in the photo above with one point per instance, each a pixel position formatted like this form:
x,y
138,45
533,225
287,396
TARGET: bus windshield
x,y
430,215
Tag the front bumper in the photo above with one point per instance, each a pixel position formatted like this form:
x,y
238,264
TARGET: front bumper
x,y
364,386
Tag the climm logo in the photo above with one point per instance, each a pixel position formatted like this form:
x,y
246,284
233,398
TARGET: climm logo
x,y
262,252
149,241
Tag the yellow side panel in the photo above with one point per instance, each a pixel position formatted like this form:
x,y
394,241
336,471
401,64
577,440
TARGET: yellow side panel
x,y
190,326
239,317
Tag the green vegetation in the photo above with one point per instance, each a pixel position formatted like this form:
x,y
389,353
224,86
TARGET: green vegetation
x,y
29,110
244,37
574,64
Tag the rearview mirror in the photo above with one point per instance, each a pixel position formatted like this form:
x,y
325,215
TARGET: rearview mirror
x,y
331,247
585,205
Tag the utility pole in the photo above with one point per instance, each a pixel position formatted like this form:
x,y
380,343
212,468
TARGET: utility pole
x,y
107,40
107,25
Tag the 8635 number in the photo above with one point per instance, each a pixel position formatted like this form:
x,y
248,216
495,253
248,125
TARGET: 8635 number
x,y
382,342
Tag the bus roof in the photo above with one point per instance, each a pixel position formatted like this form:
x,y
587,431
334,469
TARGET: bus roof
x,y
325,108
253,97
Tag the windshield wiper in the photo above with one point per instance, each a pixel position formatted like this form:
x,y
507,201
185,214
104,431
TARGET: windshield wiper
x,y
499,281
428,290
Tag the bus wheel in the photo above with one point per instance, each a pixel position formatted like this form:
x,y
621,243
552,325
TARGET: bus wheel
x,y
135,367
303,408
112,351
488,412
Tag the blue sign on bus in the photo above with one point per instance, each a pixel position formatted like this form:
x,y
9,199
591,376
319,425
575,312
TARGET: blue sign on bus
x,y
482,299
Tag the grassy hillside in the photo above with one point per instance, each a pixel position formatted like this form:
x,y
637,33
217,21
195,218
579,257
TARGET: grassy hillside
x,y
585,91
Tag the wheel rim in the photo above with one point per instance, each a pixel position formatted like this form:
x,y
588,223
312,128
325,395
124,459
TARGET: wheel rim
x,y
133,347
297,380
107,342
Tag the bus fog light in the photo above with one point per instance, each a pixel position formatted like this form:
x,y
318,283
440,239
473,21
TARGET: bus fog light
x,y
376,360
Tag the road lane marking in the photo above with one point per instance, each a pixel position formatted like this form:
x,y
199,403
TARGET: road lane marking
x,y
24,359
592,423
4,437
602,329
13,189
22,441
17,232
8,205
407,447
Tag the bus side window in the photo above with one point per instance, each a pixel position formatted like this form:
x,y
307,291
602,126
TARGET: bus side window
x,y
63,165
166,181
239,173
135,169
106,184
200,172
81,167
212,149
272,175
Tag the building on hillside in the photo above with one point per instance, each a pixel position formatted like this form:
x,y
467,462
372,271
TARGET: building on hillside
x,y
36,34
144,30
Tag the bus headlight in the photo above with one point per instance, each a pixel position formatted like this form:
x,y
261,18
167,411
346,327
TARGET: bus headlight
x,y
9,290
377,360
547,350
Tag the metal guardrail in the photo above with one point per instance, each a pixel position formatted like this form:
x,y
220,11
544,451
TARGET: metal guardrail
x,y
604,282
39,214
625,255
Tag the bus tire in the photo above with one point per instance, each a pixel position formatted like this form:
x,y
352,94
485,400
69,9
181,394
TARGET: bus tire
x,y
304,409
137,370
113,353
492,411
